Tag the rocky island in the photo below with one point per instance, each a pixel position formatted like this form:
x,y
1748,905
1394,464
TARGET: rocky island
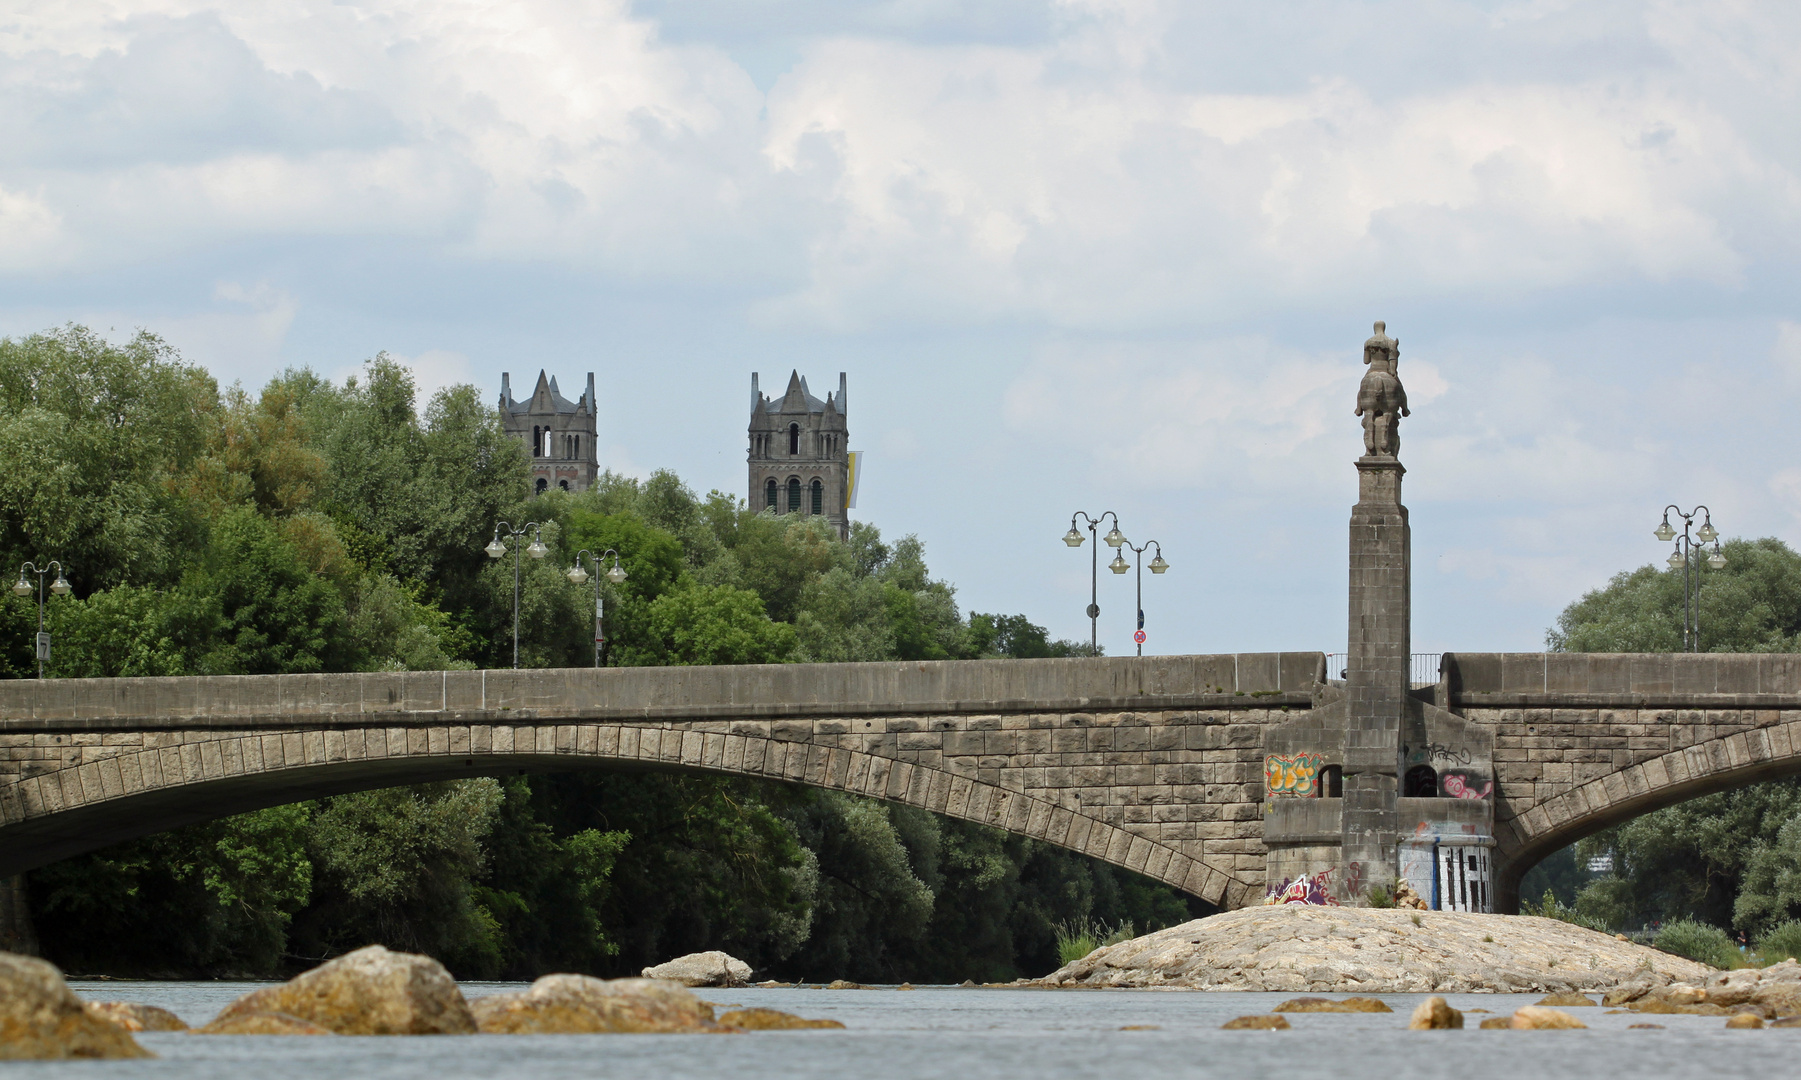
x,y
1302,947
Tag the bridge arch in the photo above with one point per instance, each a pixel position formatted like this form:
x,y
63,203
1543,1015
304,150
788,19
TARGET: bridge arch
x,y
76,808
1722,759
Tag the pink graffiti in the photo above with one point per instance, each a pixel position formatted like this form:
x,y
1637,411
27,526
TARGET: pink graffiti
x,y
1306,889
1457,786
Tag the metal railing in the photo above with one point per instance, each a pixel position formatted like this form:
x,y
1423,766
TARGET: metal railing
x,y
1422,668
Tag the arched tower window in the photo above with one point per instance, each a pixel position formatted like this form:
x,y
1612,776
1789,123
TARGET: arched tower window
x,y
818,497
543,485
793,440
537,436
793,494
769,495
564,484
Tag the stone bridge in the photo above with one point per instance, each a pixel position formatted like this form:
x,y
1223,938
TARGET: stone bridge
x,y
1152,764
1155,764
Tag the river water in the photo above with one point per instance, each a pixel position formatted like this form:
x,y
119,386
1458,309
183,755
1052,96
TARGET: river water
x,y
967,1034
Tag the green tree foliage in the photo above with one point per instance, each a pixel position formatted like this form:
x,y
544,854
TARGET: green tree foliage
x,y
1723,860
320,527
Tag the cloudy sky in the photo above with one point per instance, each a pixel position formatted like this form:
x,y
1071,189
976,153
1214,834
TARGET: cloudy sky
x,y
1073,254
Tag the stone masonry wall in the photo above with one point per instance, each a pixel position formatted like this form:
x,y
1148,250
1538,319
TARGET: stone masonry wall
x,y
1174,794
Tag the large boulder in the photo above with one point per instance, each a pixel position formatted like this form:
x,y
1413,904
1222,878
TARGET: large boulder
x,y
703,969
582,1005
42,1019
1540,1018
367,992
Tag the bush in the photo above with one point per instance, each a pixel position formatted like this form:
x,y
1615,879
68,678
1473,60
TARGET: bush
x,y
1552,908
1078,939
1379,896
1782,943
1700,942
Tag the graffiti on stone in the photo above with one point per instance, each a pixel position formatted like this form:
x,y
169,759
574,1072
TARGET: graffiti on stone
x,y
1461,785
1306,889
1293,775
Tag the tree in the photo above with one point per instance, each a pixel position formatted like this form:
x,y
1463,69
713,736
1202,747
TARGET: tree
x,y
1752,604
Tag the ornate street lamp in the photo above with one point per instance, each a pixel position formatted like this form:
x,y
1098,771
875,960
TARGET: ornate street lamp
x,y
536,549
1114,539
1688,558
60,587
1158,566
579,576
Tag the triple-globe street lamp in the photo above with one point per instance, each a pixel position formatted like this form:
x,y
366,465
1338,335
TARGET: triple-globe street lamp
x,y
615,575
536,549
1114,538
1158,566
1688,558
60,587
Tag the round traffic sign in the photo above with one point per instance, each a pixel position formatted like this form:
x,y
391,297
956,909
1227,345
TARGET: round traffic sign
x,y
1138,637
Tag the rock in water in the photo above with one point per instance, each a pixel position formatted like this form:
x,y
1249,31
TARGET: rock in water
x,y
42,1019
1494,1022
1320,1004
1745,1020
367,992
1256,1023
1539,1018
1309,949
135,1017
262,1023
1434,1014
703,969
772,1020
582,1005
1565,1000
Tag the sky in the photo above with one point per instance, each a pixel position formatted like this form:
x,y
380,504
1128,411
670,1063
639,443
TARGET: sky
x,y
1072,254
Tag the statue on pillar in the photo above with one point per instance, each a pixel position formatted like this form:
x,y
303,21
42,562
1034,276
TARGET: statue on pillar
x,y
1381,400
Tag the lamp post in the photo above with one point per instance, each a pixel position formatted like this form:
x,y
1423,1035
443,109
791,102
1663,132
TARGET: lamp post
x,y
615,575
536,549
60,587
1158,566
1688,559
1114,538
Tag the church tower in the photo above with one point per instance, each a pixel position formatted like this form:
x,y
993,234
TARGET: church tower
x,y
559,434
799,463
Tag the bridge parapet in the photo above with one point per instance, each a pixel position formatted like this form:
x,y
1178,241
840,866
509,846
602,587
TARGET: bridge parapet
x,y
677,693
1645,680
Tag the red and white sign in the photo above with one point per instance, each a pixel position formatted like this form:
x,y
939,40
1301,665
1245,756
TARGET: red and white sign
x,y
1138,637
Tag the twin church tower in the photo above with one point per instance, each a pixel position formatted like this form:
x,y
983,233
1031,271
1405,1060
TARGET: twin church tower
x,y
800,462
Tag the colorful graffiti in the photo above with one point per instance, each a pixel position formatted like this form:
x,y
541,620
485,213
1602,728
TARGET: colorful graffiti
x,y
1465,786
1306,889
1294,775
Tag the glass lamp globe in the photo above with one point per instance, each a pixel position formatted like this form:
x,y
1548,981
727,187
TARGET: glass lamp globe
x,y
1158,565
1115,538
1675,560
577,575
536,549
1664,532
495,548
1707,533
61,585
21,587
616,574
1716,560
1072,537
1119,565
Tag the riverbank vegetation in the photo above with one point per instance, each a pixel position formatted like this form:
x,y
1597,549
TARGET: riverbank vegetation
x,y
1716,878
321,527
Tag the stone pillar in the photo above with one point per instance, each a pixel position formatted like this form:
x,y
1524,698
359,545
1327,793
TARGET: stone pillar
x,y
1379,640
16,933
